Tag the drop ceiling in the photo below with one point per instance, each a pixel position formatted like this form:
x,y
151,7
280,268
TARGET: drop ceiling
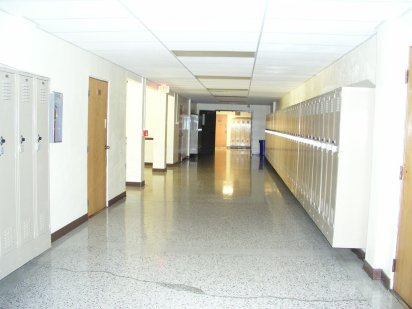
x,y
249,51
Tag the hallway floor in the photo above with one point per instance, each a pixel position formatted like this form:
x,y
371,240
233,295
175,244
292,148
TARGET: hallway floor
x,y
221,232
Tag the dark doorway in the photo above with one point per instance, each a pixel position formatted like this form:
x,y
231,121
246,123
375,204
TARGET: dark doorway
x,y
207,124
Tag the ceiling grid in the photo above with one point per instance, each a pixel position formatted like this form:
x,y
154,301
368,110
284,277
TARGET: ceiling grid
x,y
250,52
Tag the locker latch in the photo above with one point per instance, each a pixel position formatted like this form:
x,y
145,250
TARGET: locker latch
x,y
39,138
2,141
22,139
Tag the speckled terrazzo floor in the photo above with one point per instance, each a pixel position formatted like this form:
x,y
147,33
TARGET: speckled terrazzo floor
x,y
222,232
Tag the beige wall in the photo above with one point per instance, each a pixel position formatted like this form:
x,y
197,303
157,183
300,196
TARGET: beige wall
x,y
358,67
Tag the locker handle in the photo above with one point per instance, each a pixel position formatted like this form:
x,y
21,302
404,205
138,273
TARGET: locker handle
x,y
22,139
107,147
2,140
39,138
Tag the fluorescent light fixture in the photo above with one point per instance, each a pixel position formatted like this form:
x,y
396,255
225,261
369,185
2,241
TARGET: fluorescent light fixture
x,y
220,54
224,90
222,77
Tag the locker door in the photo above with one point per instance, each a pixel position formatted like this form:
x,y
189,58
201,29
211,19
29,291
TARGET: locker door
x,y
42,150
335,156
25,161
8,212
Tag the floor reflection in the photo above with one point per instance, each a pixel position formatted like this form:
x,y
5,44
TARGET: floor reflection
x,y
232,172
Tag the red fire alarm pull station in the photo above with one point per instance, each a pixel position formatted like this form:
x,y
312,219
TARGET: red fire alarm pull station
x,y
145,133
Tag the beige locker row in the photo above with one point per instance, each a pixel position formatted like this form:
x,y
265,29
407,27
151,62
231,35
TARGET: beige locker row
x,y
321,149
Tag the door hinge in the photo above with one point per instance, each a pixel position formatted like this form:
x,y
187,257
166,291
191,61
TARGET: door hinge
x,y
394,265
401,172
407,76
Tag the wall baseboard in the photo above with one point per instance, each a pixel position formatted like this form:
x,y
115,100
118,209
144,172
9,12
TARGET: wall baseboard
x,y
359,253
117,198
373,273
69,227
377,274
159,170
174,164
135,183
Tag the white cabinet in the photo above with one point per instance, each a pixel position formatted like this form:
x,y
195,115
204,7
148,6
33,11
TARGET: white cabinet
x,y
321,148
24,169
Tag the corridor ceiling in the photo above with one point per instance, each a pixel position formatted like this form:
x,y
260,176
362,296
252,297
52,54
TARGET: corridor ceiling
x,y
247,51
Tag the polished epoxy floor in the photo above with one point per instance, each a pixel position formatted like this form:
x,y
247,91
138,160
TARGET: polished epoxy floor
x,y
222,232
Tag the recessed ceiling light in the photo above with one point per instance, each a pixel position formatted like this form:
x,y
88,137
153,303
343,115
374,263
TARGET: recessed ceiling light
x,y
224,90
230,96
222,77
220,54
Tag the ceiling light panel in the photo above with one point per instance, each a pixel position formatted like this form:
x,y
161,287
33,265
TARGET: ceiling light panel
x,y
301,26
228,15
112,36
214,54
230,93
201,40
311,49
89,25
65,9
313,39
230,84
375,11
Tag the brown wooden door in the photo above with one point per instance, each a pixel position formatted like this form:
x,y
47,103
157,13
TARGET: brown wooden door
x,y
221,130
403,273
96,154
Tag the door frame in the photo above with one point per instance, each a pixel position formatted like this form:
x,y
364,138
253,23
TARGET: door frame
x,y
107,135
407,145
251,122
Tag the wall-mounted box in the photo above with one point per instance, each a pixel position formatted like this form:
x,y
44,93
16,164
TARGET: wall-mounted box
x,y
56,117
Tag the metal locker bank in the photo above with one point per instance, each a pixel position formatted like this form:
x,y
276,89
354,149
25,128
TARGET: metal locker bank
x,y
24,166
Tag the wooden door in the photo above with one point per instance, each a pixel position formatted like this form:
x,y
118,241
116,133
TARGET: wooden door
x,y
96,154
221,130
403,273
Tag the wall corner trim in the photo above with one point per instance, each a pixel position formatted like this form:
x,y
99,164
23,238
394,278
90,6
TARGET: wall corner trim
x,y
117,198
69,227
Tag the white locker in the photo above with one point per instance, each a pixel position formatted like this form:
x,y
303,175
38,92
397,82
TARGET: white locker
x,y
42,157
8,211
25,157
24,185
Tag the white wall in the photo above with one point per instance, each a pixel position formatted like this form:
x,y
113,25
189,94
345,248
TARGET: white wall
x,y
155,122
381,61
26,48
172,147
259,113
134,132
393,41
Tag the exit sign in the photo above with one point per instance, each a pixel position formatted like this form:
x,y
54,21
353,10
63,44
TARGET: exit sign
x,y
164,88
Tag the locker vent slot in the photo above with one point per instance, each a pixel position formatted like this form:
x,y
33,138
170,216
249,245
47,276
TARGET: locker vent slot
x,y
27,229
7,88
8,240
43,95
43,223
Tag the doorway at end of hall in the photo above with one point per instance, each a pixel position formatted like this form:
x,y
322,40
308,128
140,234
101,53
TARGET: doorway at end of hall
x,y
233,129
